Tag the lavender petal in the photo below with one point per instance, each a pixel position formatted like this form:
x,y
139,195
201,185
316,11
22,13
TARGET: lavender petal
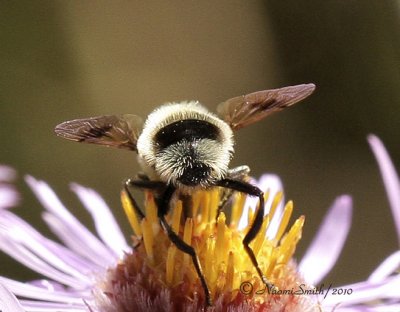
x,y
272,183
38,293
8,197
389,176
38,306
7,174
51,202
25,244
386,268
365,292
106,225
325,248
73,241
8,302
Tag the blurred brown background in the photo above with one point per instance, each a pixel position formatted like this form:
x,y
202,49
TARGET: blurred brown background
x,y
63,60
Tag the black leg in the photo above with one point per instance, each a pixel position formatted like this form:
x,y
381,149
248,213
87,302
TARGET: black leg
x,y
141,184
226,196
146,184
252,190
135,206
240,173
163,208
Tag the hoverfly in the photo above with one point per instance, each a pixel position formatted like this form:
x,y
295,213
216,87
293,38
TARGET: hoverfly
x,y
183,147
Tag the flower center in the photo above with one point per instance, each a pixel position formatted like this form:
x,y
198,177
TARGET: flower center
x,y
156,271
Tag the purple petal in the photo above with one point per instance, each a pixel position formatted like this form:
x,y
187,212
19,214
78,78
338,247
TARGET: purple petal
x,y
25,244
31,261
8,302
369,308
71,224
73,259
48,285
75,243
105,223
8,196
23,233
38,306
272,183
33,292
7,174
385,308
386,268
325,248
389,176
365,292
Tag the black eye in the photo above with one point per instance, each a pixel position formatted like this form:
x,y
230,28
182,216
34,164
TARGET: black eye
x,y
188,129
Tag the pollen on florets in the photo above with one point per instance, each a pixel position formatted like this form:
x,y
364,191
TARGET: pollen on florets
x,y
156,276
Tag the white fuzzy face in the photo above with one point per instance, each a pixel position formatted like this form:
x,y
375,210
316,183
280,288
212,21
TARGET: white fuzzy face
x,y
186,145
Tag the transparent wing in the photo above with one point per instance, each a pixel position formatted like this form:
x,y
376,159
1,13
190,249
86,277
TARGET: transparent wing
x,y
244,110
120,131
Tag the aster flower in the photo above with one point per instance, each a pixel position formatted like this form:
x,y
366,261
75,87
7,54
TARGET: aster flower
x,y
103,273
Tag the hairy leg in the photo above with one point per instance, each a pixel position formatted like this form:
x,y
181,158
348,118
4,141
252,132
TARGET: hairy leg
x,y
255,227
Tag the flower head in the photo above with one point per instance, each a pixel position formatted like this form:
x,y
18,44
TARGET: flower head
x,y
87,272
157,273
104,274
